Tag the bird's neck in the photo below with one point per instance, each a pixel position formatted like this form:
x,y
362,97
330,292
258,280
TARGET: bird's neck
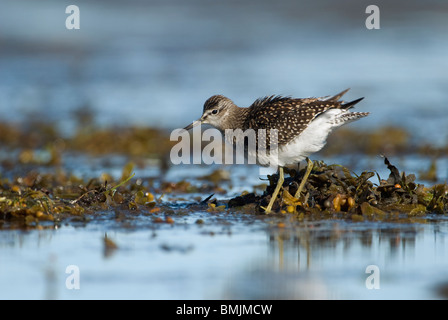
x,y
234,119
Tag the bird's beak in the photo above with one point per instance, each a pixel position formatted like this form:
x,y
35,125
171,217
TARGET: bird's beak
x,y
192,125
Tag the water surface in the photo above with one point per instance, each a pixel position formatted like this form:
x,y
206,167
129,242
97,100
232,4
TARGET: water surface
x,y
229,256
154,63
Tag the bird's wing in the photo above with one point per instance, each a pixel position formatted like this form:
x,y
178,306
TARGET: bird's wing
x,y
289,116
336,97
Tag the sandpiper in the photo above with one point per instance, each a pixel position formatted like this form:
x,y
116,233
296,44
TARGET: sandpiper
x,y
302,125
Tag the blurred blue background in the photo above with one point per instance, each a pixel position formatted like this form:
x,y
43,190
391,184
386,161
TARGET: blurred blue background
x,y
154,63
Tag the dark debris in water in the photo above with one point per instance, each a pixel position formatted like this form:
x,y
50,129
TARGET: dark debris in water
x,y
38,200
46,200
334,189
43,200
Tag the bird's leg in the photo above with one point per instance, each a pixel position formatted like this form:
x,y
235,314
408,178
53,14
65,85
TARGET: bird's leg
x,y
280,181
305,177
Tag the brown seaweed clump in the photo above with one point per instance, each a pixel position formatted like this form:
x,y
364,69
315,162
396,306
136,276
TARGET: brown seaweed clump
x,y
334,189
45,200
39,200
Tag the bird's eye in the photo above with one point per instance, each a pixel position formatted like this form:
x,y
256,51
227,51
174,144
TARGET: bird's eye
x,y
215,111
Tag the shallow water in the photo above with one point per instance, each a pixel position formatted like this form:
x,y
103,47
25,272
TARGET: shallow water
x,y
153,63
229,256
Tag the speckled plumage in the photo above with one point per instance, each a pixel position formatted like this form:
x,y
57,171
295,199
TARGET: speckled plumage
x,y
292,117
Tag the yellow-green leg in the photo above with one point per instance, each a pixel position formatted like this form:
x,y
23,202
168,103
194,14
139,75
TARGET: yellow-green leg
x,y
280,181
305,177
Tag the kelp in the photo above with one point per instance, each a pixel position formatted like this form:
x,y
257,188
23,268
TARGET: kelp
x,y
334,189
37,200
44,200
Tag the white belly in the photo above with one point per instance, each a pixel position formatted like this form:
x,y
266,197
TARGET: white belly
x,y
311,140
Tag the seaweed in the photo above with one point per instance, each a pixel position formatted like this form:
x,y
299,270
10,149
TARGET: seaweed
x,y
44,200
35,199
334,189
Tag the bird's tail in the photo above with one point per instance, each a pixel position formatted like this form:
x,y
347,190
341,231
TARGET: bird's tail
x,y
347,116
351,104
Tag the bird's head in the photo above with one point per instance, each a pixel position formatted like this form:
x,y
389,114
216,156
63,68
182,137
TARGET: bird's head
x,y
216,110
